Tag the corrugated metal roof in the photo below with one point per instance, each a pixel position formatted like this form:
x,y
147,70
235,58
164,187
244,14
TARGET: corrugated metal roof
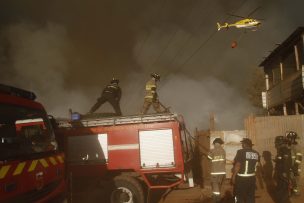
x,y
282,46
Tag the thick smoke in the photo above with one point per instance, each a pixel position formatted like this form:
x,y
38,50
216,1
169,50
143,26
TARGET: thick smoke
x,y
196,100
66,51
36,61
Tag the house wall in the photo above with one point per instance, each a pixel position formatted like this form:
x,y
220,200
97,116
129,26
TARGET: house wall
x,y
284,69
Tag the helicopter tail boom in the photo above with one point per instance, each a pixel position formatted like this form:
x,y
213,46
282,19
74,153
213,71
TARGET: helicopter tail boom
x,y
219,26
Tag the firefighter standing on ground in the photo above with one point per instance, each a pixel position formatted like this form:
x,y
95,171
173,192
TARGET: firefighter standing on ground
x,y
282,169
112,94
243,177
296,159
217,155
151,97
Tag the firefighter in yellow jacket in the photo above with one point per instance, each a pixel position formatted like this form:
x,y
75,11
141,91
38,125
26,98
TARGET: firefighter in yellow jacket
x,y
151,97
217,155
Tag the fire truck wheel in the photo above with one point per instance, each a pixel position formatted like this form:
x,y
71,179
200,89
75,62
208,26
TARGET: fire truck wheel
x,y
127,189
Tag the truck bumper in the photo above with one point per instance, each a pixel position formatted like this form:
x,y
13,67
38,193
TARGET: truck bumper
x,y
59,192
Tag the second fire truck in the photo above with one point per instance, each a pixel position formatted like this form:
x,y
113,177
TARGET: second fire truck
x,y
133,154
31,167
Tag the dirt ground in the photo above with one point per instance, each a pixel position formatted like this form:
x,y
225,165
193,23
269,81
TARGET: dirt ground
x,y
90,192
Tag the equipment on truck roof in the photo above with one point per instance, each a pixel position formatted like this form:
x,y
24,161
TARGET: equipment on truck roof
x,y
14,91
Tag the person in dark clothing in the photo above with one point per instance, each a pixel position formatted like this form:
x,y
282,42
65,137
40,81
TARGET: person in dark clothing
x,y
268,169
243,177
283,164
112,94
296,157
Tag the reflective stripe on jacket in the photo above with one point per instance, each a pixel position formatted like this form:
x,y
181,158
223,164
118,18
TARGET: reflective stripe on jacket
x,y
151,89
217,156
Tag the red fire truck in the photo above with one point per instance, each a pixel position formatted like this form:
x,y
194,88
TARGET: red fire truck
x,y
132,154
31,168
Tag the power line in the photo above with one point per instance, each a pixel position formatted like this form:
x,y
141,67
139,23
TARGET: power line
x,y
173,36
186,42
204,42
148,35
198,49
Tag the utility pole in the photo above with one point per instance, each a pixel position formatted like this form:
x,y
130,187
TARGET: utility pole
x,y
211,122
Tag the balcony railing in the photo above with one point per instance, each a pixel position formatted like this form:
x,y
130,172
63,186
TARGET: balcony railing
x,y
291,88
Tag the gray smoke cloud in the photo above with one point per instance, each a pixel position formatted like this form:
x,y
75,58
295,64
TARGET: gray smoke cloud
x,y
67,51
36,61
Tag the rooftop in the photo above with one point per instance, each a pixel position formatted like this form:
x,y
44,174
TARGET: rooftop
x,y
293,37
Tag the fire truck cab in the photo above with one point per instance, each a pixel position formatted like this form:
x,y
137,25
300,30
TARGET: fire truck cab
x,y
134,154
31,168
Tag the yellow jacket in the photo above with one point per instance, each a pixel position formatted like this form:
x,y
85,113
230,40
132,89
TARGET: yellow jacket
x,y
151,89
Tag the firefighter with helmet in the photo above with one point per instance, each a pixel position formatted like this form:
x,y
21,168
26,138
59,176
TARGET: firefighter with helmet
x,y
217,156
296,159
112,94
244,172
151,97
282,169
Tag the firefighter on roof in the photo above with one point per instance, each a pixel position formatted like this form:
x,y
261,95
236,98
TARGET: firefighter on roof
x,y
151,97
217,155
112,94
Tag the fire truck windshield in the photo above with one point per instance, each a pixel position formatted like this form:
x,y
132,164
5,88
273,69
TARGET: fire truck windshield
x,y
24,132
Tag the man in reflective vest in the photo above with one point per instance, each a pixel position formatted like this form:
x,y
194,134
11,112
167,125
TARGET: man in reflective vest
x,y
151,97
112,94
243,177
217,155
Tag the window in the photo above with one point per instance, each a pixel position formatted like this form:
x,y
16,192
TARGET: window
x,y
156,148
289,63
88,147
24,132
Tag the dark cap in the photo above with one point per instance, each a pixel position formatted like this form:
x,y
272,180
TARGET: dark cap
x,y
218,140
247,141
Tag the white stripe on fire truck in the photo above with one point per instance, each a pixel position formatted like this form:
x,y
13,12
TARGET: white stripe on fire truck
x,y
4,170
29,121
123,147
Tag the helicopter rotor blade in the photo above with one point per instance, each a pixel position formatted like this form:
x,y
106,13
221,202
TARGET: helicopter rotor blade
x,y
253,11
236,15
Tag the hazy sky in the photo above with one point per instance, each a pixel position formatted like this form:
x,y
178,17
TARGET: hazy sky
x,y
66,51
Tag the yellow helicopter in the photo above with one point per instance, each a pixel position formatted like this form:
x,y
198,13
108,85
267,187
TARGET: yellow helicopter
x,y
249,23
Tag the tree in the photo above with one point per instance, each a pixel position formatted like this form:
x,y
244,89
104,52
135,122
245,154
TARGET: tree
x,y
255,87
